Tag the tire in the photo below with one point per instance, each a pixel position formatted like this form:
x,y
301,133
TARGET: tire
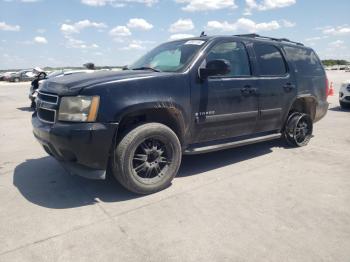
x,y
147,158
16,80
298,129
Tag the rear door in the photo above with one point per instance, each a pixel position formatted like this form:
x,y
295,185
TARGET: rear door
x,y
276,86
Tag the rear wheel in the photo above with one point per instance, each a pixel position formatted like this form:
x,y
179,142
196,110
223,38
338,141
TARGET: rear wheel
x,y
298,130
16,80
147,158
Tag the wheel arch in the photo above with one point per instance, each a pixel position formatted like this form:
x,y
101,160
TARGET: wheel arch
x,y
305,104
167,113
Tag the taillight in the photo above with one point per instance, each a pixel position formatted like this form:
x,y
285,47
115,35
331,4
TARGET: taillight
x,y
327,87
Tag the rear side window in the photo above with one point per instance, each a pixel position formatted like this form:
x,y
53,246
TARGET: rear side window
x,y
270,60
305,61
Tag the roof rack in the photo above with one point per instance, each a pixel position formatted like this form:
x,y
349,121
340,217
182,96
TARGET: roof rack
x,y
270,38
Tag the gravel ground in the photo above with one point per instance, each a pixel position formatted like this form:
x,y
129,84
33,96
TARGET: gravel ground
x,y
262,202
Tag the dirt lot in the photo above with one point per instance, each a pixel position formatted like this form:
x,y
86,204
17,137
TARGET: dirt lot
x,y
262,202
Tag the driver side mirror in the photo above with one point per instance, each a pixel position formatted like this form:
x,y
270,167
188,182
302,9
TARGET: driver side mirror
x,y
215,68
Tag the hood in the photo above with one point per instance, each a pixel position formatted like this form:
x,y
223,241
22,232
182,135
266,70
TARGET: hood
x,y
73,84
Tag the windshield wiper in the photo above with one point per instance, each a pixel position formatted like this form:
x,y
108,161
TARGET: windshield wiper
x,y
146,68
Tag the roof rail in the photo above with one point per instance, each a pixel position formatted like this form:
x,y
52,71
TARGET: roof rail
x,y
270,38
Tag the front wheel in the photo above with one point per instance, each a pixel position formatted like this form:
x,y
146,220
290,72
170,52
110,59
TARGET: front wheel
x,y
147,158
298,129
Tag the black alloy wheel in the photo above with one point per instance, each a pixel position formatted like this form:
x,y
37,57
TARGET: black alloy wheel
x,y
152,159
147,158
299,128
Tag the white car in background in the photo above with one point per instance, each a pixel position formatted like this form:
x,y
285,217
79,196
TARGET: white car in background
x,y
344,95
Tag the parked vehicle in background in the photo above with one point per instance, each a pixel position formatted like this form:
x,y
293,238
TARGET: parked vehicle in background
x,y
33,93
344,95
21,76
188,96
7,75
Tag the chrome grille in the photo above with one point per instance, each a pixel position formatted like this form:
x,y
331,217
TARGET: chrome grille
x,y
47,107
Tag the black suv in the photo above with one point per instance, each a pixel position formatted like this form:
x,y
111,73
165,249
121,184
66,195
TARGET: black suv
x,y
184,97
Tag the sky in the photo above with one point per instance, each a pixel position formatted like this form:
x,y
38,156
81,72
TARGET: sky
x,y
117,32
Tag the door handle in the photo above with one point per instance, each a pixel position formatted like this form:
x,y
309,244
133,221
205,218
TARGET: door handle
x,y
289,87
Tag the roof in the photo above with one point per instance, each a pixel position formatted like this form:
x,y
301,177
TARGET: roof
x,y
254,37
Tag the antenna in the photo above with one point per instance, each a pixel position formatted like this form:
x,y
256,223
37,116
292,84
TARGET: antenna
x,y
202,34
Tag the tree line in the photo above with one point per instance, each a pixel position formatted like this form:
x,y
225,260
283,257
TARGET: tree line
x,y
333,62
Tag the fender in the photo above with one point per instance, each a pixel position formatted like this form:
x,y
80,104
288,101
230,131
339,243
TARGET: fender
x,y
175,113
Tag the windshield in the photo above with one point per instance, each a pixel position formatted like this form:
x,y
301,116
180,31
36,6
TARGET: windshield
x,y
169,57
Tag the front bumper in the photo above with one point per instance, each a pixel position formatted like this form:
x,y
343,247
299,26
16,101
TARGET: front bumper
x,y
82,148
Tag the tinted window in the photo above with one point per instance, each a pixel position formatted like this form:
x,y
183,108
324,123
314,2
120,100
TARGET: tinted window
x,y
235,54
270,60
305,60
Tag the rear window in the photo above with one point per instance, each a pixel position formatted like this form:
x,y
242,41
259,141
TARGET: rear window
x,y
305,61
270,60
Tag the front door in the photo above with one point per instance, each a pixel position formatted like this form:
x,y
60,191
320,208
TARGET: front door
x,y
226,106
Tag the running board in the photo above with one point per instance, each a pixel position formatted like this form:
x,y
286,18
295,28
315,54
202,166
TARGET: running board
x,y
212,148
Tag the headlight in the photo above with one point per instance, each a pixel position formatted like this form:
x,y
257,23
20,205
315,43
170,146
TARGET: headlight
x,y
79,108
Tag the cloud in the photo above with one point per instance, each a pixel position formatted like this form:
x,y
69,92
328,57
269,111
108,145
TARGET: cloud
x,y
78,26
41,30
337,44
23,1
287,23
40,40
180,36
117,3
95,2
137,45
77,43
338,30
243,24
181,25
206,5
139,23
7,27
133,46
120,31
315,38
264,5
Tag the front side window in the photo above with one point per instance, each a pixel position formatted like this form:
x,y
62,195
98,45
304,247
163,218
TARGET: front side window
x,y
270,60
170,57
235,54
